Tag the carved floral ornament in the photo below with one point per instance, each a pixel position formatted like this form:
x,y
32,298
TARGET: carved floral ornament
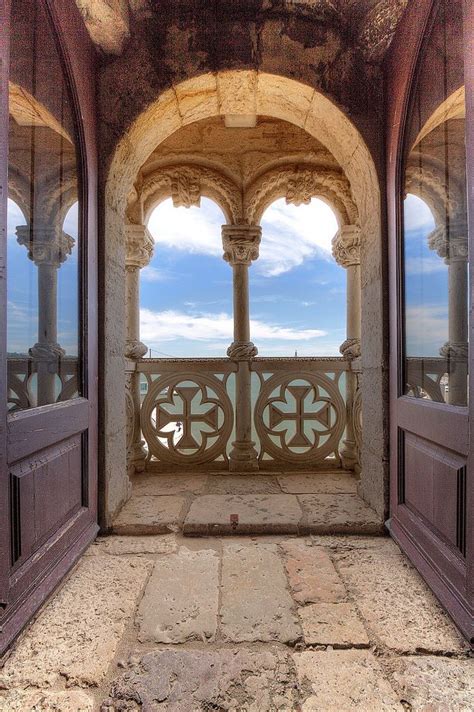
x,y
298,184
140,245
346,246
45,245
186,184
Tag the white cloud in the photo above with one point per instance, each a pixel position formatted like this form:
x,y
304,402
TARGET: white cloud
x,y
426,329
153,274
290,236
417,215
425,265
157,327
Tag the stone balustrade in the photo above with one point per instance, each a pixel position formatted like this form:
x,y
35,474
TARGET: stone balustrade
x,y
188,411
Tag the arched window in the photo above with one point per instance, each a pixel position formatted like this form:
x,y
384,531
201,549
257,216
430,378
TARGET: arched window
x,y
298,289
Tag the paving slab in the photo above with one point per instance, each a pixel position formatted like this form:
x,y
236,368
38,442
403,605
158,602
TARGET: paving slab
x,y
255,602
311,573
319,483
338,514
334,624
78,633
395,602
435,684
191,680
120,545
46,701
243,484
180,602
344,681
221,515
160,484
150,515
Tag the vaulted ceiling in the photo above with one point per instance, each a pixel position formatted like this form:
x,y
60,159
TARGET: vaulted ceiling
x,y
369,24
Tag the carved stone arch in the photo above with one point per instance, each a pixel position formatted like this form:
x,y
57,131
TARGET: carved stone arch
x,y
298,184
186,184
19,191
429,184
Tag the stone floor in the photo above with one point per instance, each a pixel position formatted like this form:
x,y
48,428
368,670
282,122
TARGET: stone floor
x,y
312,623
267,610
221,504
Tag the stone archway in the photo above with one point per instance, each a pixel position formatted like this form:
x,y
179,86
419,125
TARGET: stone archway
x,y
243,93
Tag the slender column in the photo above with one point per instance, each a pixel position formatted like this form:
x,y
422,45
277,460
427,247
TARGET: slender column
x,y
454,249
139,252
48,248
346,251
241,244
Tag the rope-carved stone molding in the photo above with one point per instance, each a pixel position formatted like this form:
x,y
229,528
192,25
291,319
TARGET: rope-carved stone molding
x,y
186,184
298,184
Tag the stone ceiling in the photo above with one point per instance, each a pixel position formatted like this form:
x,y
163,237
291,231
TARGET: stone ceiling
x,y
370,24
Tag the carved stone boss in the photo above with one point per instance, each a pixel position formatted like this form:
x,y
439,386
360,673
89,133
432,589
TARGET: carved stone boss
x,y
241,247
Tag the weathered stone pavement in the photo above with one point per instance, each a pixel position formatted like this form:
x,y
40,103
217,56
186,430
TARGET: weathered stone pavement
x,y
245,624
221,504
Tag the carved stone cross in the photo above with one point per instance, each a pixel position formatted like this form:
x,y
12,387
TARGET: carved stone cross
x,y
299,393
187,440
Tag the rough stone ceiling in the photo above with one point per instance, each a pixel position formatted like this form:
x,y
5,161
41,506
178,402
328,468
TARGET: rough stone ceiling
x,y
369,23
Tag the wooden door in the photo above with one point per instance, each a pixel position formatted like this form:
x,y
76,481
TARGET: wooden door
x,y
429,167
48,301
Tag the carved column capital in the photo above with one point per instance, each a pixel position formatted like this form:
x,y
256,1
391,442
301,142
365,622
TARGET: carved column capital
x,y
452,246
46,245
455,351
140,246
241,243
346,246
350,349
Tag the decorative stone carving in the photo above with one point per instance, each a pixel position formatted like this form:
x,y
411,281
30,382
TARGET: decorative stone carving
x,y
186,184
140,246
346,246
185,189
135,349
241,243
455,351
45,245
378,28
452,248
242,351
350,349
298,184
429,184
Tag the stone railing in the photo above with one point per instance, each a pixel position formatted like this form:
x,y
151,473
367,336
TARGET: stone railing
x,y
22,373
188,412
427,378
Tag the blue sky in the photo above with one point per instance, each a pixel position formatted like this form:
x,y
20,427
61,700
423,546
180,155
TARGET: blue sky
x,y
298,291
426,284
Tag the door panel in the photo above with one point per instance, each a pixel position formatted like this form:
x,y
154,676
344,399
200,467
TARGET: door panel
x,y
431,468
49,410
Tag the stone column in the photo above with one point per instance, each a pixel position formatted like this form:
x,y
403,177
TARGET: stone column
x,y
346,252
48,248
139,251
454,249
241,244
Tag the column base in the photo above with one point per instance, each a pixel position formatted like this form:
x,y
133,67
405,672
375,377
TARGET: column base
x,y
243,457
348,453
137,458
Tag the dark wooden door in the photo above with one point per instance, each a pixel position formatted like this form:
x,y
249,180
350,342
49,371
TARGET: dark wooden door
x,y
430,165
48,302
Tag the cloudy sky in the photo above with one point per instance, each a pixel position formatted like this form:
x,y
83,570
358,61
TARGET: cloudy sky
x,y
297,290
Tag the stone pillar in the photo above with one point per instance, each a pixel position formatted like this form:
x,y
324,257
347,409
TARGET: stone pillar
x,y
48,248
454,249
240,243
346,252
139,251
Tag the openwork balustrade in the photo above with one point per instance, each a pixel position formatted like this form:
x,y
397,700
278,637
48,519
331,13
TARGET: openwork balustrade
x,y
188,410
23,381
